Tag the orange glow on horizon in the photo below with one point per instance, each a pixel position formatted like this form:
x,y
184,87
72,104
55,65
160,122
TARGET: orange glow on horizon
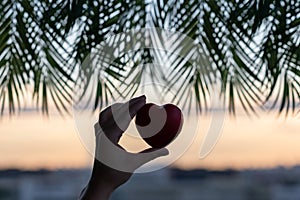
x,y
30,141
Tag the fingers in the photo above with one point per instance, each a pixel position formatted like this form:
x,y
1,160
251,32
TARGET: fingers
x,y
149,154
120,109
136,104
122,114
106,114
119,159
115,119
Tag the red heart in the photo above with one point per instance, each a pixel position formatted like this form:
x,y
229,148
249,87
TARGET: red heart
x,y
159,125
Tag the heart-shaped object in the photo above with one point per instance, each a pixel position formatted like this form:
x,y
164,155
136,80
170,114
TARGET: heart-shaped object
x,y
159,125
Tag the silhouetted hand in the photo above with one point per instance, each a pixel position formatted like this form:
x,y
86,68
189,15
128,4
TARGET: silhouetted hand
x,y
113,165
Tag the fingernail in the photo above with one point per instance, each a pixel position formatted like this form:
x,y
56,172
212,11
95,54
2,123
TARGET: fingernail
x,y
142,96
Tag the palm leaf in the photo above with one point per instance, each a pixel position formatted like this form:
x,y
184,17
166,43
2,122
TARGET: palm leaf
x,y
250,47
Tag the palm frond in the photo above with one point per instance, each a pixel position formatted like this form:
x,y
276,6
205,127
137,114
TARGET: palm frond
x,y
31,48
280,54
249,47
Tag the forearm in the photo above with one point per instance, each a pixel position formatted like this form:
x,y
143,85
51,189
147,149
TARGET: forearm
x,y
95,191
98,187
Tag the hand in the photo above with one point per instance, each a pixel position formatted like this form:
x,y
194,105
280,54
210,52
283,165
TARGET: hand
x,y
113,165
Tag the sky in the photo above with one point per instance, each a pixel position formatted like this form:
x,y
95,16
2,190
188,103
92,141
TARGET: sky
x,y
33,141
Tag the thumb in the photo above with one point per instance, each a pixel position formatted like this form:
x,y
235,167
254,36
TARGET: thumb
x,y
149,154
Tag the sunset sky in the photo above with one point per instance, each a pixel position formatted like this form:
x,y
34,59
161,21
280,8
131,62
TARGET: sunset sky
x,y
33,141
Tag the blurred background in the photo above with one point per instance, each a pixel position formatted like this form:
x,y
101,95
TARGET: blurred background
x,y
248,49
43,158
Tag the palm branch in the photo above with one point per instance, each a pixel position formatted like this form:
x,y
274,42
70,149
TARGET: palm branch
x,y
250,48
